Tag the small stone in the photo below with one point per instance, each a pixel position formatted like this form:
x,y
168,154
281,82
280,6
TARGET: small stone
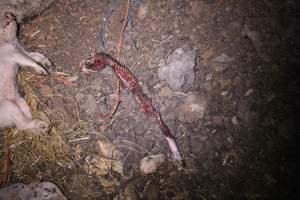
x,y
234,120
223,58
230,139
179,69
208,77
249,92
224,93
151,163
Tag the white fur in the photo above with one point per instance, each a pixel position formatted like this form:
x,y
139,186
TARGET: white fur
x,y
14,111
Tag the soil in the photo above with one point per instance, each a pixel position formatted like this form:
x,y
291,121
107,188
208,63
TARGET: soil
x,y
246,144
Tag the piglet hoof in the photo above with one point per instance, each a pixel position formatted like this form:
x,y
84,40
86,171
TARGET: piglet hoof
x,y
41,127
46,63
42,71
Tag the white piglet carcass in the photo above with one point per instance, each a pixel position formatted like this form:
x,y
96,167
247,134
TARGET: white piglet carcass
x,y
14,111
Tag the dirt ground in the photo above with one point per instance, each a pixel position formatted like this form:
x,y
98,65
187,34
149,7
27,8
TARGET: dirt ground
x,y
244,147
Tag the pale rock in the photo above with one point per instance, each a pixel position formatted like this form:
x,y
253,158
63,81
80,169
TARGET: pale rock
x,y
208,77
249,92
151,163
224,93
234,120
179,69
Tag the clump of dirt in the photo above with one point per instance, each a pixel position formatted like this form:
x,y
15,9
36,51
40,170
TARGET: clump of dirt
x,y
235,125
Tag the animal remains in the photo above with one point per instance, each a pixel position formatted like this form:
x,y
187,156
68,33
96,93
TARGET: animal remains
x,y
14,111
99,61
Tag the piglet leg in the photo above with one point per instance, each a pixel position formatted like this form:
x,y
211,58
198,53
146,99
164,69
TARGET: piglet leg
x,y
11,115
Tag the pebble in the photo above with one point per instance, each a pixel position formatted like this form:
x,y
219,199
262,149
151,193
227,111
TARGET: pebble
x,y
208,77
224,93
150,164
249,92
234,120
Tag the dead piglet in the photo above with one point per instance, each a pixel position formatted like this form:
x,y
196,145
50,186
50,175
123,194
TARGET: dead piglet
x,y
14,111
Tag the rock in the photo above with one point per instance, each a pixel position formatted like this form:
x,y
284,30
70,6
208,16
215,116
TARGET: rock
x,y
229,139
165,92
151,163
223,58
36,190
179,69
249,92
143,11
224,93
192,109
234,120
208,77
87,103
